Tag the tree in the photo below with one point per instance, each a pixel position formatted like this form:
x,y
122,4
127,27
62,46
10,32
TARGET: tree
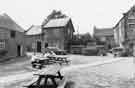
x,y
54,15
82,39
86,38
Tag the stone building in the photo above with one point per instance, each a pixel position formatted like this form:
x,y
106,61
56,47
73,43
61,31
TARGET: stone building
x,y
125,30
119,32
12,41
33,37
58,32
104,36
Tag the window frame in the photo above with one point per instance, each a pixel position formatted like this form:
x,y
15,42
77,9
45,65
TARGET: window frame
x,y
12,34
131,26
2,44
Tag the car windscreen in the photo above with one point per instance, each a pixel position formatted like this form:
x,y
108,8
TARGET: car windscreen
x,y
118,49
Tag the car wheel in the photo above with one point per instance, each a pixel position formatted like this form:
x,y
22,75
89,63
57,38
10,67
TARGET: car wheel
x,y
101,55
115,55
33,65
39,67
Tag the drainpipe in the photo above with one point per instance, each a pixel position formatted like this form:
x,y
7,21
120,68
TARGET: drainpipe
x,y
42,37
125,31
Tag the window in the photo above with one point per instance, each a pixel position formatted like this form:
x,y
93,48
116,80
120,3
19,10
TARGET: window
x,y
56,32
68,31
3,35
71,33
52,43
33,45
2,44
131,20
12,34
131,25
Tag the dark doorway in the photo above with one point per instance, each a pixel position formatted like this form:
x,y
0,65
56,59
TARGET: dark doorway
x,y
39,46
18,50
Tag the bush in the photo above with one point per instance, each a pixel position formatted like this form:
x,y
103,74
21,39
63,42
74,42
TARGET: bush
x,y
3,52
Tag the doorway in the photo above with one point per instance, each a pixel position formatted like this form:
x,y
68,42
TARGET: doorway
x,y
19,50
39,46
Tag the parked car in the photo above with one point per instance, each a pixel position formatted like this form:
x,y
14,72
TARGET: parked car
x,y
38,60
77,49
90,51
96,50
101,50
58,51
119,51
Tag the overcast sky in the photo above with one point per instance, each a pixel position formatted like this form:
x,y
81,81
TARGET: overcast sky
x,y
84,13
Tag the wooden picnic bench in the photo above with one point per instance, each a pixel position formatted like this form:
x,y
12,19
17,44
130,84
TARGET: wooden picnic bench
x,y
50,60
46,81
59,59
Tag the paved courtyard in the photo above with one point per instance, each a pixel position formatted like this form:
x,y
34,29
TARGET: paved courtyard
x,y
83,70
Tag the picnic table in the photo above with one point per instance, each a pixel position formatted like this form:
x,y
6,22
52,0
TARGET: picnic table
x,y
59,59
41,62
47,78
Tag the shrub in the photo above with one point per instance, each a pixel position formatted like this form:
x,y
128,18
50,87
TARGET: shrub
x,y
3,52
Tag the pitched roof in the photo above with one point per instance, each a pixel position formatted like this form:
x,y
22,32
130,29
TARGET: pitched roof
x,y
34,30
8,23
103,31
61,22
124,14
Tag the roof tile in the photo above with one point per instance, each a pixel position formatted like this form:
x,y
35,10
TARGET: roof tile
x,y
34,30
61,22
7,22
